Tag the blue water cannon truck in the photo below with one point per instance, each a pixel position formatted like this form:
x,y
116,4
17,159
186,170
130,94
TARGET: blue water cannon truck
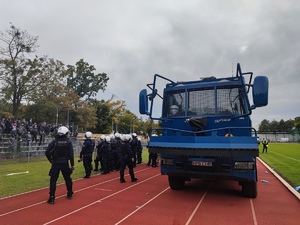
x,y
205,128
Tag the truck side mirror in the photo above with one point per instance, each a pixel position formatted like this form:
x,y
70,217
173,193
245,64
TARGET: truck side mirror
x,y
143,102
260,91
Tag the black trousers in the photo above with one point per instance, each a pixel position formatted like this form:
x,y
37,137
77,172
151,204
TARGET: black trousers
x,y
126,161
54,174
87,164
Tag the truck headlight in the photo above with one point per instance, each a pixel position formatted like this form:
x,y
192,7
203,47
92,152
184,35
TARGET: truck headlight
x,y
166,161
244,165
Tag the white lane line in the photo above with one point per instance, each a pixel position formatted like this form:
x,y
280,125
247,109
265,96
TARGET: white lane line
x,y
253,212
32,205
38,203
27,192
100,200
142,206
20,209
198,205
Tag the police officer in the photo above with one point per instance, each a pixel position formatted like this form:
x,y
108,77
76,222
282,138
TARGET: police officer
x,y
86,153
126,159
134,145
139,150
265,143
98,158
59,152
106,155
114,152
119,144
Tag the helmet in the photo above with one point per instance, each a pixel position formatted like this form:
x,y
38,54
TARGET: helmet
x,y
117,135
134,135
62,131
112,136
174,109
88,134
102,138
107,139
126,137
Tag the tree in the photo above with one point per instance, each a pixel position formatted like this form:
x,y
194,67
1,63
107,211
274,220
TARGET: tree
x,y
264,126
14,64
63,108
108,114
297,124
83,80
288,125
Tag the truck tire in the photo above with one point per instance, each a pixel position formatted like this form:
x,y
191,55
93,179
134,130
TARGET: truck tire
x,y
249,189
176,183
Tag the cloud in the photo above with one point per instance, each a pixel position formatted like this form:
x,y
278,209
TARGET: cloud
x,y
183,40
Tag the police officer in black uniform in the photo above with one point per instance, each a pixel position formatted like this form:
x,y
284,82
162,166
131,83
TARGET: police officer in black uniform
x,y
126,159
139,150
134,146
106,155
59,152
114,151
86,154
98,158
118,150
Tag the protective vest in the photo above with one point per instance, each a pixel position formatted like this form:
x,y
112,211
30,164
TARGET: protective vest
x,y
125,149
105,148
88,146
113,144
61,149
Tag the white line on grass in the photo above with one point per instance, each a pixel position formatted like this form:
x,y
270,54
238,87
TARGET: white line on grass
x,y
11,174
286,157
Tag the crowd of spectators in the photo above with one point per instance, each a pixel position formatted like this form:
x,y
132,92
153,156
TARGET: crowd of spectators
x,y
29,130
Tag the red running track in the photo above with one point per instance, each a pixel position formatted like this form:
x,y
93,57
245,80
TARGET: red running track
x,y
102,199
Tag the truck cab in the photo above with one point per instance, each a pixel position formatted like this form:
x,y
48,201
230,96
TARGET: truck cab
x,y
206,130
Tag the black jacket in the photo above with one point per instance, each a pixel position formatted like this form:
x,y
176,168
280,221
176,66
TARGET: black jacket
x,y
60,150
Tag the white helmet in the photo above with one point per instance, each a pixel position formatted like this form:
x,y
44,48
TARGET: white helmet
x,y
174,109
107,139
62,131
126,137
117,135
88,134
102,138
134,135
112,136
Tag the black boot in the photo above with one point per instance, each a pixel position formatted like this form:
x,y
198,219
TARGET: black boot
x,y
69,195
134,179
122,180
51,200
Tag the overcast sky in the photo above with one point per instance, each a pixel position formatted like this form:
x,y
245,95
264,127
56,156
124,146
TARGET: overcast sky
x,y
131,40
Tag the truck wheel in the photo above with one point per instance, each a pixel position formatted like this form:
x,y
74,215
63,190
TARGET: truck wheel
x,y
176,183
249,189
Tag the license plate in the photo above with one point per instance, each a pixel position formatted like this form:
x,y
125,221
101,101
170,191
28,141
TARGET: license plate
x,y
201,163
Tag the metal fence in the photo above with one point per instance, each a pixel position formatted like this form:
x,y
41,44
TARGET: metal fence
x,y
20,148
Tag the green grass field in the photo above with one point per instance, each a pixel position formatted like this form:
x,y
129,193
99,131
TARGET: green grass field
x,y
283,158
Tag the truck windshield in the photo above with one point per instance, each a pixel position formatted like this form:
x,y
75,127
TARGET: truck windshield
x,y
204,101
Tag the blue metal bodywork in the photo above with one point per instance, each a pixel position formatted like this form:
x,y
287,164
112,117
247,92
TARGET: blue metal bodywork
x,y
213,143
